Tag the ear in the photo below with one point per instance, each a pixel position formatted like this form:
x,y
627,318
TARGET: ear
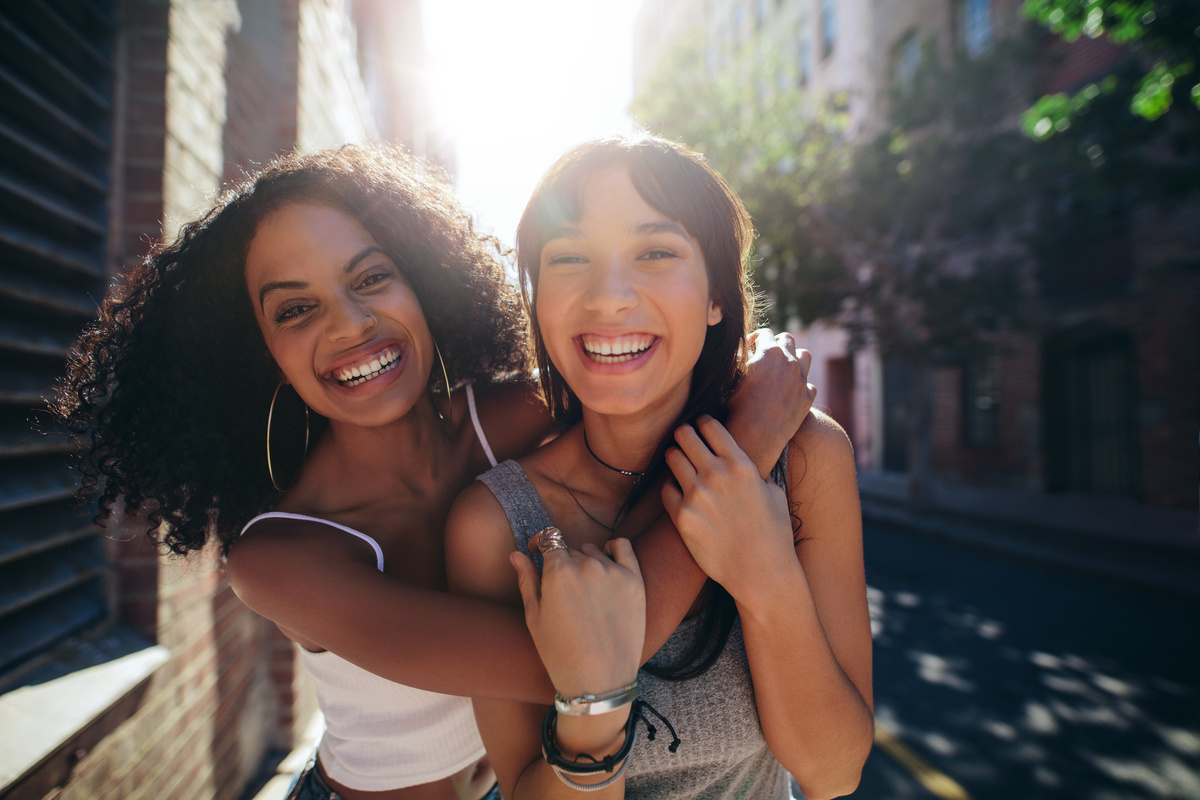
x,y
715,314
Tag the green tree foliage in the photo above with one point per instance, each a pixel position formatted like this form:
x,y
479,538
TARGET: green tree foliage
x,y
780,151
1163,39
909,238
942,222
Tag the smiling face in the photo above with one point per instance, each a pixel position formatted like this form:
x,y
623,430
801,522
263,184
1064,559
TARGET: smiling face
x,y
342,323
623,302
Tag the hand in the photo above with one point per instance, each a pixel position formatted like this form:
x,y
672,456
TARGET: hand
x,y
587,615
735,524
772,398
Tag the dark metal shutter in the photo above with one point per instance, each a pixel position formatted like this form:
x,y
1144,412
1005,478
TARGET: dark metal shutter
x,y
56,95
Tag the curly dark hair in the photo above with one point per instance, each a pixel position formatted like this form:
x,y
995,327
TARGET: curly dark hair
x,y
166,394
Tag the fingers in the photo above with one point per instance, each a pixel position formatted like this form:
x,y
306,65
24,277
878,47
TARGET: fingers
x,y
805,359
528,579
716,442
621,551
757,341
672,497
679,464
689,441
720,442
787,343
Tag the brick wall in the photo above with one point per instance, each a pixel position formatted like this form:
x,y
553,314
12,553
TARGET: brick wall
x,y
1166,321
332,101
206,89
1013,462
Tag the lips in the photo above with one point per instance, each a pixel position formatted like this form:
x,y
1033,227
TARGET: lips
x,y
616,349
369,368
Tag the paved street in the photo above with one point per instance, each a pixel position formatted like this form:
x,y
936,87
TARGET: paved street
x,y
1001,678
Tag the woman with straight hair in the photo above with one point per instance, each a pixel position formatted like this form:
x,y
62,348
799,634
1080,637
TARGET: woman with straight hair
x,y
633,255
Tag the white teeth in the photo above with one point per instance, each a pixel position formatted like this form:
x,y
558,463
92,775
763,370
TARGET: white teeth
x,y
361,373
616,349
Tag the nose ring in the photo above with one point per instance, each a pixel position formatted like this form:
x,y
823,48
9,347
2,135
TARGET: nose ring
x,y
370,320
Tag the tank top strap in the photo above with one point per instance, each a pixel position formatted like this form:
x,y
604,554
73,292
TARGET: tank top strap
x,y
521,503
305,518
779,471
487,447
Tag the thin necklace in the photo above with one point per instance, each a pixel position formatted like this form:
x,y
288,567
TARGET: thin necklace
x,y
610,528
603,463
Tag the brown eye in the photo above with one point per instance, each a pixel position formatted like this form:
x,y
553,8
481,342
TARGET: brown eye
x,y
290,311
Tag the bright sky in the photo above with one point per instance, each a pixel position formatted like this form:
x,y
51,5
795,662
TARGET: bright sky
x,y
517,82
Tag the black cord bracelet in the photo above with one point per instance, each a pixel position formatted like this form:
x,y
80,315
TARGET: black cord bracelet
x,y
555,758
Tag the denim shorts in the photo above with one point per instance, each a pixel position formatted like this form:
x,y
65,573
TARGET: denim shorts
x,y
307,784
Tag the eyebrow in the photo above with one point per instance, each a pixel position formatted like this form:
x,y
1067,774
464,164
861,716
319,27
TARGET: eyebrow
x,y
662,227
354,261
645,229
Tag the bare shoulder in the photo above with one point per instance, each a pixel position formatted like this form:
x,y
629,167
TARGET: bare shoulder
x,y
478,541
821,468
513,417
820,445
269,563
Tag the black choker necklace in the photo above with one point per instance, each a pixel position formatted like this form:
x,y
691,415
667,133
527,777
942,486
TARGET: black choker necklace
x,y
603,463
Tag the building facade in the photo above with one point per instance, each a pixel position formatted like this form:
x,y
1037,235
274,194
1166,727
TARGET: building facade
x,y
124,674
1100,406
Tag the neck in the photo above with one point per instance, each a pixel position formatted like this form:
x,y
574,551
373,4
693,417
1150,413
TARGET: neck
x,y
407,450
626,442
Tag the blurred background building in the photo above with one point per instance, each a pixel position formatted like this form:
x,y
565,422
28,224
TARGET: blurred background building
x,y
1082,407
120,675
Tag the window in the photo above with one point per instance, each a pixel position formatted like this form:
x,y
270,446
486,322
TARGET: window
x,y
828,27
981,398
975,26
804,54
1090,393
763,14
906,62
54,186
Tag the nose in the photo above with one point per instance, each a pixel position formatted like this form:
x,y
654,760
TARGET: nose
x,y
349,320
611,287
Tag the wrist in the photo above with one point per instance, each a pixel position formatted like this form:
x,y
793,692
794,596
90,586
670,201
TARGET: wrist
x,y
596,735
757,593
757,441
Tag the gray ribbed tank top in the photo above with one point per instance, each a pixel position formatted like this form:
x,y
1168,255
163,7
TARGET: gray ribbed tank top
x,y
723,755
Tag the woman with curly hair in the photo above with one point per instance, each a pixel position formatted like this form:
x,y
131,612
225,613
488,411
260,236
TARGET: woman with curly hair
x,y
633,254
303,380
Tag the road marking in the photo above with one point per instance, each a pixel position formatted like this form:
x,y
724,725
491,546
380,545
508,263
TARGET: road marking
x,y
933,779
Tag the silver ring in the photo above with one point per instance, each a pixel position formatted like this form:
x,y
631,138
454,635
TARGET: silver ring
x,y
547,539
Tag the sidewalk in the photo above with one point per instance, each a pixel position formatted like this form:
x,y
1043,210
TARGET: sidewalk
x,y
277,767
1112,537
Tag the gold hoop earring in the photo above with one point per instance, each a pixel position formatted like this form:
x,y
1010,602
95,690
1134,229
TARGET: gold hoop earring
x,y
270,415
446,378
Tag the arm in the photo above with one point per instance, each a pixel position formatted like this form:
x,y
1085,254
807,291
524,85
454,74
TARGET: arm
x,y
802,604
589,632
769,405
767,408
326,592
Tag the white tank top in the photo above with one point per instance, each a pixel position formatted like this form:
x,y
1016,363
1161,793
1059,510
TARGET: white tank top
x,y
382,735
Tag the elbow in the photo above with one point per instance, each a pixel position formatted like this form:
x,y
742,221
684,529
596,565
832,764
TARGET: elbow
x,y
828,789
836,776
